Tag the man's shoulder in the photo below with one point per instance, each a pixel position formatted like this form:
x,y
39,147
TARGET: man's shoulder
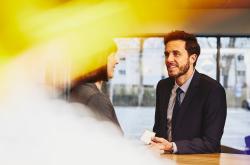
x,y
209,82
165,81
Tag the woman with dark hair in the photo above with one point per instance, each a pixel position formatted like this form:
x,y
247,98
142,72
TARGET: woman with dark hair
x,y
88,89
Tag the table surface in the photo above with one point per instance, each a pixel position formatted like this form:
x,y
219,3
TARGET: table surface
x,y
205,159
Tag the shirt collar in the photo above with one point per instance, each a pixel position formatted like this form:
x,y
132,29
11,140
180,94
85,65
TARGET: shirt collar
x,y
185,86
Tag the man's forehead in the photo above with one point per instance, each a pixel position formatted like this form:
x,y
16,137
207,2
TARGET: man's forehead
x,y
175,45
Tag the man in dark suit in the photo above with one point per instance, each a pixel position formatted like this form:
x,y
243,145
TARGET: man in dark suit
x,y
191,107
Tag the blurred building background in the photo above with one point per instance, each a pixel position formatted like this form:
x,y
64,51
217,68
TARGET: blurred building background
x,y
142,65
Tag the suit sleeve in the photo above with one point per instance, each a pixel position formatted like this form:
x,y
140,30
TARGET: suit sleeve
x,y
156,127
215,111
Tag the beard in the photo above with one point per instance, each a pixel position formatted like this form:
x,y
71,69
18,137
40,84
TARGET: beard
x,y
183,70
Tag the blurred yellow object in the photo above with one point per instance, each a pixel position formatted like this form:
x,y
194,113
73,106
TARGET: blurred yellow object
x,y
63,42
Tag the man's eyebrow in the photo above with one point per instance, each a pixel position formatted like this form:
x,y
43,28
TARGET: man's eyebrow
x,y
175,51
172,51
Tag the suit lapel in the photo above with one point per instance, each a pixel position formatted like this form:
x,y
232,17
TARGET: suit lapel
x,y
192,90
165,101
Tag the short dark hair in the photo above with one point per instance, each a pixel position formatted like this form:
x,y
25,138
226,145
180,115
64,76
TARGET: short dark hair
x,y
191,46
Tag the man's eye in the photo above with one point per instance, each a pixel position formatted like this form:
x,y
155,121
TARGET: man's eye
x,y
166,54
176,53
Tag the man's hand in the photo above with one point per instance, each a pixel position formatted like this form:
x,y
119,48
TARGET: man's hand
x,y
161,144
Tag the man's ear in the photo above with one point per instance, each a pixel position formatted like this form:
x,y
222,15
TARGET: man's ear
x,y
193,58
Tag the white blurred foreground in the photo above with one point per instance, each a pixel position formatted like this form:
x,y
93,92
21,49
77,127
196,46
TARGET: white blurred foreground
x,y
38,129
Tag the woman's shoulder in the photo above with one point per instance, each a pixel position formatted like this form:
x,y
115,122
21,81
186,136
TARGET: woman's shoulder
x,y
84,92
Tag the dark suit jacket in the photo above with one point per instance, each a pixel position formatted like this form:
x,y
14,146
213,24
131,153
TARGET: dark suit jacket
x,y
201,120
98,102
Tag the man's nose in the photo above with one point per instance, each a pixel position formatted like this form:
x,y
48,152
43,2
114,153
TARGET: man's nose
x,y
169,58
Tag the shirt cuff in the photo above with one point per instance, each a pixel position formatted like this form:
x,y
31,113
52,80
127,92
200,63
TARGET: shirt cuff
x,y
174,148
